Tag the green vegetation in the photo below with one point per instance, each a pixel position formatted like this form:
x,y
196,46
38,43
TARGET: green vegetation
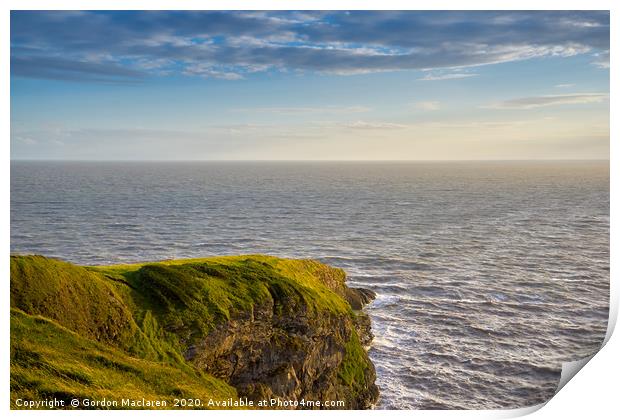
x,y
122,331
49,361
354,366
73,296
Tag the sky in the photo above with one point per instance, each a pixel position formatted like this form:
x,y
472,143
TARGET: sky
x,y
312,85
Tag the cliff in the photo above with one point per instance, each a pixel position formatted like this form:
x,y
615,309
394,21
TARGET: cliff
x,y
254,327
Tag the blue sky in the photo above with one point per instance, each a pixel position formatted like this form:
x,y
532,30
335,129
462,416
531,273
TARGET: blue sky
x,y
309,85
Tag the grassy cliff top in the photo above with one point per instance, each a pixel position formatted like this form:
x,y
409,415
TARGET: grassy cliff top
x,y
316,283
102,330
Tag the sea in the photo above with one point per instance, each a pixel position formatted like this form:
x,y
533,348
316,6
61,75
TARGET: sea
x,y
489,275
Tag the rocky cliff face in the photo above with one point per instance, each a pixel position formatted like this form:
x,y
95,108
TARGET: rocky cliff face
x,y
270,328
291,354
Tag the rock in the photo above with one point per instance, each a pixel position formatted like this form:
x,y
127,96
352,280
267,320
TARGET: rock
x,y
276,356
359,297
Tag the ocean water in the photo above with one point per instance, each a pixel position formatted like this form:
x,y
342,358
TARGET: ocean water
x,y
489,275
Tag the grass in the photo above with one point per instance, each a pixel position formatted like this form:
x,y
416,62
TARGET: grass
x,y
192,296
305,276
50,361
108,331
354,365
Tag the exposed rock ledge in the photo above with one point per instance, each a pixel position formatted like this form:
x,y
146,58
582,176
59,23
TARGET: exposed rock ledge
x,y
249,326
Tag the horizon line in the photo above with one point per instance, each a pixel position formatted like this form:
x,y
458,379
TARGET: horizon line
x,y
309,160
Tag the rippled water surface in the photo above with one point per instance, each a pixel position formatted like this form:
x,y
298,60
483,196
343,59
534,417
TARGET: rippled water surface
x,y
488,275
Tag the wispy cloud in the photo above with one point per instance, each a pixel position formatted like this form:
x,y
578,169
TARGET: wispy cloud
x,y
57,68
601,59
427,105
550,100
25,140
564,85
305,110
447,76
208,71
374,125
121,45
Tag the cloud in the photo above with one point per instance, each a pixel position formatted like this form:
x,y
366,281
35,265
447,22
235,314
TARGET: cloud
x,y
58,135
207,71
601,59
131,45
550,100
26,140
564,85
365,125
427,105
448,76
305,110
66,69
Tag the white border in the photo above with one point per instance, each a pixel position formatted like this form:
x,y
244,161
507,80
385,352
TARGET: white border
x,y
592,394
